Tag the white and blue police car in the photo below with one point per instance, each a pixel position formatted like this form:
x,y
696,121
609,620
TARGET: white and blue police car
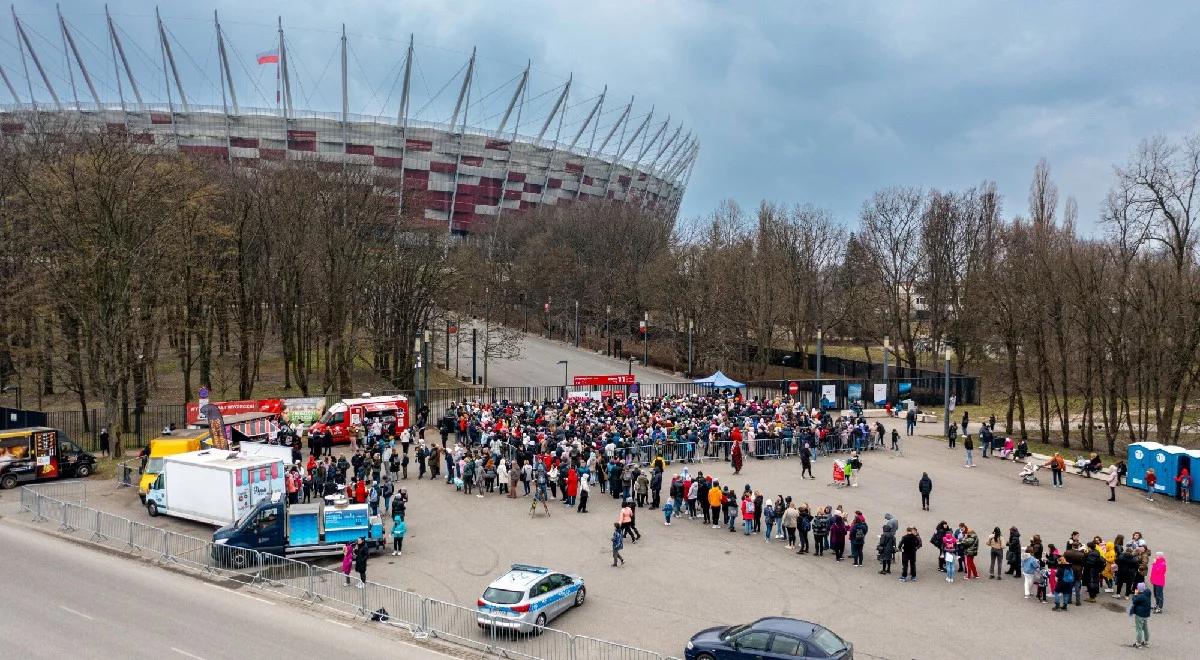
x,y
528,597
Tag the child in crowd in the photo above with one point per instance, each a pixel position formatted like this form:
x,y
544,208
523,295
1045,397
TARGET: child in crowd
x,y
668,509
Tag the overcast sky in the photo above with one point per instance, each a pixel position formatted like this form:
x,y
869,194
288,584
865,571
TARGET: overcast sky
x,y
806,102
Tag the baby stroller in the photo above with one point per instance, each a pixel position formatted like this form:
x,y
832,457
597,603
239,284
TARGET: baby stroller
x,y
1029,474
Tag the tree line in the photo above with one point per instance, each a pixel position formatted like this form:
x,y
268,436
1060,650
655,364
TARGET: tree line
x,y
1092,337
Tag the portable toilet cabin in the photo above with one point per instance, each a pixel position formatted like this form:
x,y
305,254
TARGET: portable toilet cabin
x,y
1169,462
1140,456
1194,457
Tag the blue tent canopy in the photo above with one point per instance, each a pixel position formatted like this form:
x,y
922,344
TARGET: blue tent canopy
x,y
719,380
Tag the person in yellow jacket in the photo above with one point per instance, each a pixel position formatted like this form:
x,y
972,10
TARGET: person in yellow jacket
x,y
1109,553
714,501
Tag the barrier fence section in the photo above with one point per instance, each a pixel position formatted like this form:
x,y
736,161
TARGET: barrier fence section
x,y
316,586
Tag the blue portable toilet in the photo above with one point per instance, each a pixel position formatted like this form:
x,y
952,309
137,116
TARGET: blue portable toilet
x,y
1169,461
1194,458
1140,456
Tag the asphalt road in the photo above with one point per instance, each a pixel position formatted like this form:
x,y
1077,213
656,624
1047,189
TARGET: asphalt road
x,y
538,363
66,600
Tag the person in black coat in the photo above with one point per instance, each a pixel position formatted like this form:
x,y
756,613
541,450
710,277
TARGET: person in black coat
x,y
909,544
925,485
1013,553
360,561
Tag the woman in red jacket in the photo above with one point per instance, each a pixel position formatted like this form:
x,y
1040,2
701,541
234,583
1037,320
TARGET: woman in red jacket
x,y
572,486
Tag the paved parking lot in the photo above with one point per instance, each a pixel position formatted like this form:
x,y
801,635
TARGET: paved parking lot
x,y
685,577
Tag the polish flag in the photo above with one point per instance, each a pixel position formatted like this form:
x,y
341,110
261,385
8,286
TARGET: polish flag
x,y
269,56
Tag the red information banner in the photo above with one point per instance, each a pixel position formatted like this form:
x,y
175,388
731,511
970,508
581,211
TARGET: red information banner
x,y
614,379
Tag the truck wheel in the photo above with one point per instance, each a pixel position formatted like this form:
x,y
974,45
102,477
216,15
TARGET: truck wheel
x,y
83,471
8,481
152,509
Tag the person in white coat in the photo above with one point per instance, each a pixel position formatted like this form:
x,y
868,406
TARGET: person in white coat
x,y
502,476
1114,475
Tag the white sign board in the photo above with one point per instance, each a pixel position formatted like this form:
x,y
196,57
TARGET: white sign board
x,y
880,395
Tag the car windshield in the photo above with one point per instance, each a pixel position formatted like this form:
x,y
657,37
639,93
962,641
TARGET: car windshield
x,y
827,641
733,630
502,596
154,465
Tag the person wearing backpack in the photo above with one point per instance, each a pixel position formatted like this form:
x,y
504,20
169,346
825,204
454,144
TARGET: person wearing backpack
x,y
1056,465
768,515
385,495
820,532
1065,578
747,508
618,542
885,550
858,537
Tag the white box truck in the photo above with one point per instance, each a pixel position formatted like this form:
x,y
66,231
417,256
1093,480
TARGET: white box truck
x,y
213,486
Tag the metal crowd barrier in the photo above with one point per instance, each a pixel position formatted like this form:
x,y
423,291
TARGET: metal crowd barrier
x,y
321,587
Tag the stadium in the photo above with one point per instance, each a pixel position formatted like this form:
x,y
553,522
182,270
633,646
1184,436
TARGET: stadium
x,y
464,171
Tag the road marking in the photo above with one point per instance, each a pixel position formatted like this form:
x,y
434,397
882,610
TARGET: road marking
x,y
238,593
76,613
344,625
186,654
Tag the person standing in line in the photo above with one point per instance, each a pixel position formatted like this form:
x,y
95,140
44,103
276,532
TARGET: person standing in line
x,y
858,538
1030,569
361,552
910,421
965,419
1140,609
950,548
837,537
347,561
925,485
618,542
995,546
1158,580
1065,583
969,446
909,544
820,529
668,508
952,436
1013,553
1111,480
747,510
583,496
971,541
885,550
790,521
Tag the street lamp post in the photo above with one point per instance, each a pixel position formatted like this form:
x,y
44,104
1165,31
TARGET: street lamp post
x,y
576,324
474,353
820,351
427,358
417,371
447,343
607,334
630,372
946,387
564,364
691,325
886,346
645,338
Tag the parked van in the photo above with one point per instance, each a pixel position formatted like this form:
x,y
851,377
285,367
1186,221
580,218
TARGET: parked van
x,y
178,442
38,453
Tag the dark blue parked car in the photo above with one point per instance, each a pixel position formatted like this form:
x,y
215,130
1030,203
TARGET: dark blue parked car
x,y
772,638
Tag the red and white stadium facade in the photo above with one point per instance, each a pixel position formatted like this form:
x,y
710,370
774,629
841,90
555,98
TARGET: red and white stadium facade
x,y
465,175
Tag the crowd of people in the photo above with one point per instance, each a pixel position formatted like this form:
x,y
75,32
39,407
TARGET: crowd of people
x,y
566,450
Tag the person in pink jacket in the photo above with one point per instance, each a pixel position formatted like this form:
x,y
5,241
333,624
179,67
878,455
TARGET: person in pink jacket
x,y
1158,580
347,561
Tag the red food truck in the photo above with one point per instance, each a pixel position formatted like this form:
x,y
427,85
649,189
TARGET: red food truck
x,y
342,416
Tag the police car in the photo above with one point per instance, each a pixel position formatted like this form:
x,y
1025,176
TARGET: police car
x,y
528,597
